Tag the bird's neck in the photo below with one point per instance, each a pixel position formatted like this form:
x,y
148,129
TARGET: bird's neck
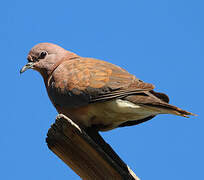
x,y
48,72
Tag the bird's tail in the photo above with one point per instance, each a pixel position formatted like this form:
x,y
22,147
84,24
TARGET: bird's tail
x,y
165,108
162,106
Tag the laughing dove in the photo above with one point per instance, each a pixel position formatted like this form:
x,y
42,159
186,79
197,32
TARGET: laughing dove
x,y
95,93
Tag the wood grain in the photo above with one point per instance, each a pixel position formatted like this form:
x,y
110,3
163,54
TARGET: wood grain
x,y
73,146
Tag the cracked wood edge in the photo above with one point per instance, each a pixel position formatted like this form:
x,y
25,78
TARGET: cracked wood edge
x,y
86,158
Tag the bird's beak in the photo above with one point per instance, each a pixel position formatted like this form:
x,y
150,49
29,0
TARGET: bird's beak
x,y
27,66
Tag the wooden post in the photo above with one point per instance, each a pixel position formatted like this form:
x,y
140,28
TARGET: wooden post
x,y
90,160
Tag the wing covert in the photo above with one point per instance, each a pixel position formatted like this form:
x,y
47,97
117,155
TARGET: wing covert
x,y
93,80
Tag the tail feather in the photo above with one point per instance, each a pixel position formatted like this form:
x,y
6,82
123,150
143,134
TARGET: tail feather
x,y
157,103
166,108
180,112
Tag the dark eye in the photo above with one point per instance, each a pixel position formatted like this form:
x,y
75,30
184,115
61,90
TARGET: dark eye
x,y
42,55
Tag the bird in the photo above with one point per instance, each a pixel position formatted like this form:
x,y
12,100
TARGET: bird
x,y
94,93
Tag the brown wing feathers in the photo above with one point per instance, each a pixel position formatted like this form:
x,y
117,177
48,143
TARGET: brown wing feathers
x,y
102,81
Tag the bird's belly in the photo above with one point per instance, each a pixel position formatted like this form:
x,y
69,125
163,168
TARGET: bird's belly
x,y
108,114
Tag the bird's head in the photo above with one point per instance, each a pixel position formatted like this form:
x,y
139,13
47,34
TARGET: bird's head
x,y
44,56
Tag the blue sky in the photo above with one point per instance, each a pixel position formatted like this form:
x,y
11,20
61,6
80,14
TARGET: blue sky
x,y
161,42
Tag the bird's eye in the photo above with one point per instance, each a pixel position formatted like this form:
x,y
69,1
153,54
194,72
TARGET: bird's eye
x,y
42,55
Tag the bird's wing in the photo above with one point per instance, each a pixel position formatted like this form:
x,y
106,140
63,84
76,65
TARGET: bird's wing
x,y
99,80
81,81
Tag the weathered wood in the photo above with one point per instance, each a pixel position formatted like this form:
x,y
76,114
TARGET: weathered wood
x,y
88,158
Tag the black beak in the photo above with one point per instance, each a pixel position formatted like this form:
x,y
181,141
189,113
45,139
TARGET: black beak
x,y
27,66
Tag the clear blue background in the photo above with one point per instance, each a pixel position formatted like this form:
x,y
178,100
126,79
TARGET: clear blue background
x,y
159,41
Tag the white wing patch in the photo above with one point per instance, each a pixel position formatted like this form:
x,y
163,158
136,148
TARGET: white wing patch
x,y
126,104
